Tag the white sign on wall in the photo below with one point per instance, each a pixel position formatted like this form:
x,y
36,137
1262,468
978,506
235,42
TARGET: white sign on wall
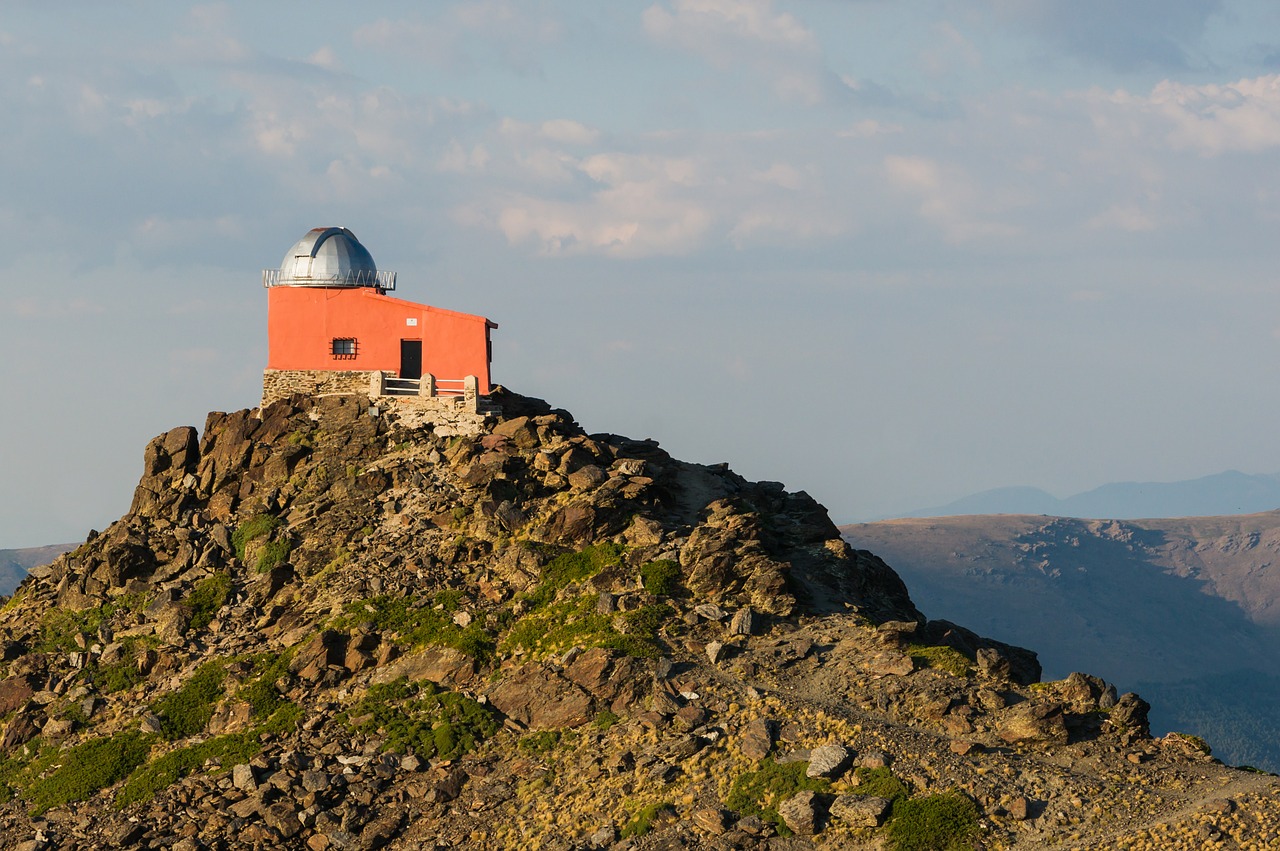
x,y
411,321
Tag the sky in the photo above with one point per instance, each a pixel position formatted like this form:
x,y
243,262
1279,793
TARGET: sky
x,y
887,253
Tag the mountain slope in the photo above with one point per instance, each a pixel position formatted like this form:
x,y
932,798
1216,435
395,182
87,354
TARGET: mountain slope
x,y
333,624
1185,609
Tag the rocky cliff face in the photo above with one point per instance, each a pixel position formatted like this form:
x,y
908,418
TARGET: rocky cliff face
x,y
333,625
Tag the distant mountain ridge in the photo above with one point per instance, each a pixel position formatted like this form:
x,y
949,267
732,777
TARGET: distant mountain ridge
x,y
15,564
1185,609
1231,492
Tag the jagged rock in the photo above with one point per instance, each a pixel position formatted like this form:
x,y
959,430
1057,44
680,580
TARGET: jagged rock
x,y
1086,693
1034,722
828,761
15,691
1130,714
541,699
442,665
243,779
800,813
757,738
860,810
743,623
399,540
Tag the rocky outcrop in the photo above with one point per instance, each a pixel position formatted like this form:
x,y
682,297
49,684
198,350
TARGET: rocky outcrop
x,y
332,624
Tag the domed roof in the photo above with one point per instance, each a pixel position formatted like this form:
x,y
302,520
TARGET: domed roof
x,y
329,257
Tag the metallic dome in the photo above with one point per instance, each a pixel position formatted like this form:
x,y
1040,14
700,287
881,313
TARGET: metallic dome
x,y
328,257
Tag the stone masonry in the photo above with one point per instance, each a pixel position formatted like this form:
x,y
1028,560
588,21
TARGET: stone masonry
x,y
447,415
282,383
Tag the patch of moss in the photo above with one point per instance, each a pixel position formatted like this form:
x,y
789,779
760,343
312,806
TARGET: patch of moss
x,y
166,770
660,577
187,711
119,677
879,783
605,719
576,623
1195,742
223,751
542,742
642,822
941,657
255,527
573,567
86,768
59,627
422,719
945,822
259,690
759,792
305,438
207,597
419,623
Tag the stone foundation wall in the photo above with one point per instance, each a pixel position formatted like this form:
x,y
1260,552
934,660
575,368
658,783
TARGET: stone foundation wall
x,y
282,383
445,415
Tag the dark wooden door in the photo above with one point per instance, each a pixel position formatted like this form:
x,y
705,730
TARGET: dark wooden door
x,y
410,358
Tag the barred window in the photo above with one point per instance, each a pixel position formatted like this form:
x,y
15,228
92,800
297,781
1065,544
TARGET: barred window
x,y
344,347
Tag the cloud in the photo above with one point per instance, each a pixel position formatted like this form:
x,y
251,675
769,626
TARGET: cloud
x,y
638,206
1130,36
707,25
950,198
1215,119
466,35
751,34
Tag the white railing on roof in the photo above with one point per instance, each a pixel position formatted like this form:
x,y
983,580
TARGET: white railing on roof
x,y
359,278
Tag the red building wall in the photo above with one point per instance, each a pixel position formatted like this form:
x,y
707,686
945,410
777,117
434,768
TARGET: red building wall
x,y
303,322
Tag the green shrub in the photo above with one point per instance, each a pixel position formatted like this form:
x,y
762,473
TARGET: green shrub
x,y
537,744
605,719
88,767
113,678
163,772
759,792
207,597
642,822
573,567
943,822
420,718
252,529
187,711
59,627
559,626
273,554
879,783
420,625
941,657
660,577
260,690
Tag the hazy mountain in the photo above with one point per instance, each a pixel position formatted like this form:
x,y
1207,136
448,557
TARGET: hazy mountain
x,y
14,564
1231,492
1186,611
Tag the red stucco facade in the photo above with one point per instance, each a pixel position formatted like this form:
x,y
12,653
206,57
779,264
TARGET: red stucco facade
x,y
304,322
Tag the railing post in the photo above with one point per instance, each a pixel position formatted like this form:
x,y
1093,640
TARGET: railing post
x,y
471,392
377,383
427,387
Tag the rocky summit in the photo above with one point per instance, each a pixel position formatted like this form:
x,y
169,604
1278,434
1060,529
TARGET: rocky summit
x,y
335,624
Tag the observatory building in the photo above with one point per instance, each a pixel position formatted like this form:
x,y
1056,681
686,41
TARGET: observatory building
x,y
332,328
